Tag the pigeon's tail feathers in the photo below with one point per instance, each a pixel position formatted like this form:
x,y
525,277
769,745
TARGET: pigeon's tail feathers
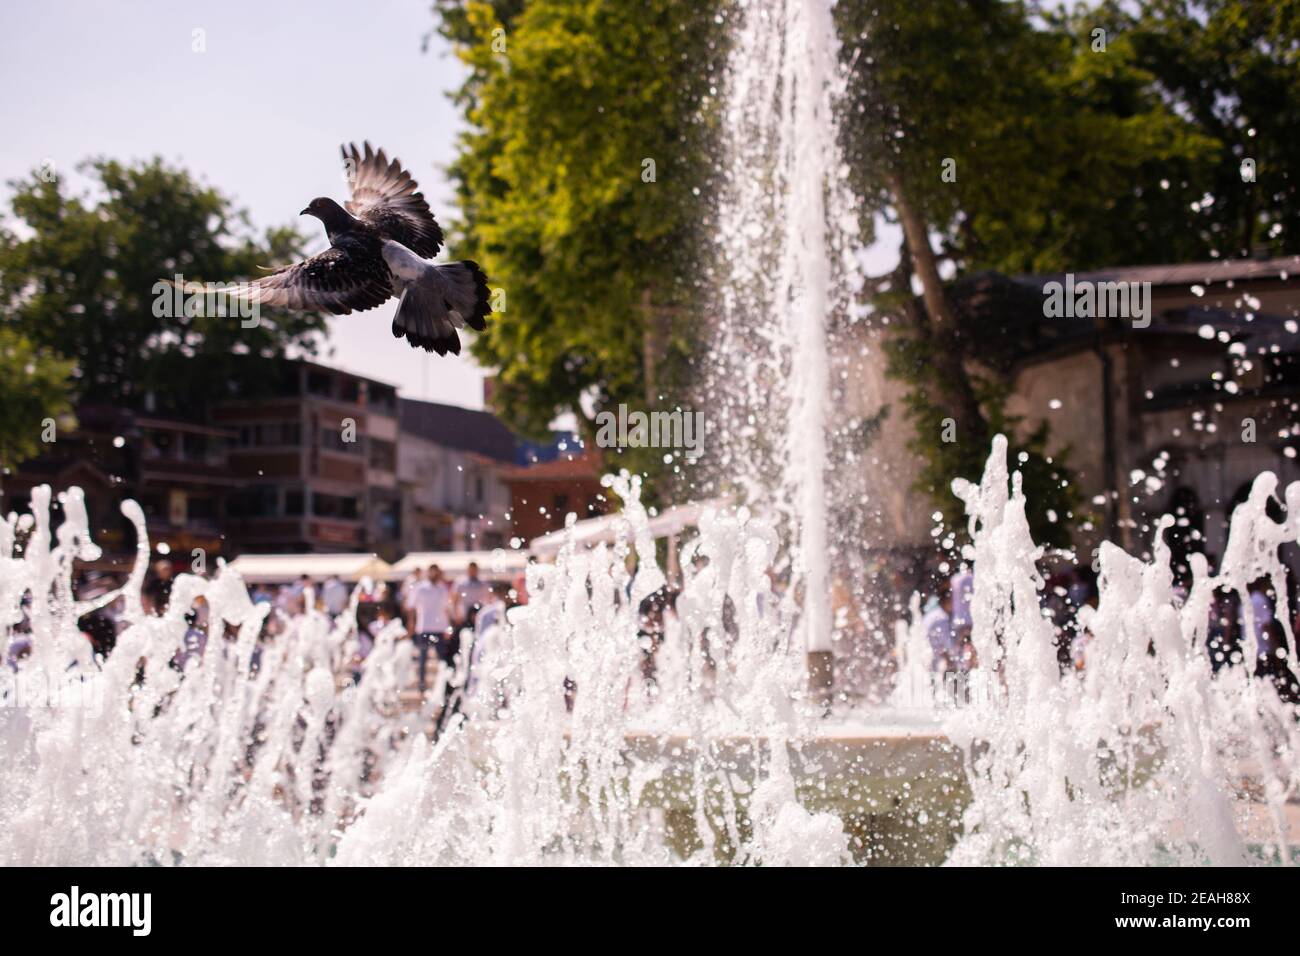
x,y
465,290
422,319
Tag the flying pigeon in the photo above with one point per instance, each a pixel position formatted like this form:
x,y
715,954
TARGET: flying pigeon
x,y
380,241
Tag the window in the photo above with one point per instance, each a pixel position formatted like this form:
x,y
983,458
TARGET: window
x,y
382,399
285,433
194,447
271,433
389,519
159,445
561,505
200,509
259,501
293,501
154,505
383,455
333,506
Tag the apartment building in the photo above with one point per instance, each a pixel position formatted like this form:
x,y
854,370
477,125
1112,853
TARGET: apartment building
x,y
450,462
317,464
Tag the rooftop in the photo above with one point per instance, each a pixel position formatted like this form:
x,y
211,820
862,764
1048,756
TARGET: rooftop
x,y
464,429
1002,321
1281,268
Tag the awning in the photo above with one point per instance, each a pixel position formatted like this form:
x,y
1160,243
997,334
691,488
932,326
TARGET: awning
x,y
608,528
500,564
283,568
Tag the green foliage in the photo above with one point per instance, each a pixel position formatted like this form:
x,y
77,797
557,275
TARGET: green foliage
x,y
33,388
78,277
1232,68
597,264
1065,158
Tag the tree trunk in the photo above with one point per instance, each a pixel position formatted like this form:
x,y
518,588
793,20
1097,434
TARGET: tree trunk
x,y
650,345
942,328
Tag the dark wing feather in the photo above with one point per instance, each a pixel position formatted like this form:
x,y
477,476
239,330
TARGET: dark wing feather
x,y
349,275
385,196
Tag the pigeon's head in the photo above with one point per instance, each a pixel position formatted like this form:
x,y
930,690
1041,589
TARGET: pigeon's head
x,y
327,211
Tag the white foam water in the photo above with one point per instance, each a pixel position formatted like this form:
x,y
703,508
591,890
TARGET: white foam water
x,y
785,221
1150,758
290,763
128,759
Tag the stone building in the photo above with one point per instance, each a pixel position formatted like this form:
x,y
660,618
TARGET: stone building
x,y
174,468
326,461
1175,412
450,463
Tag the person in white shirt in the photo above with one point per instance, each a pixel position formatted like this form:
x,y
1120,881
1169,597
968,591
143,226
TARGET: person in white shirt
x,y
470,594
429,602
408,585
335,595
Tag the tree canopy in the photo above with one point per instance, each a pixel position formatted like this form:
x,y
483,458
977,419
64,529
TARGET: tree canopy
x,y
79,276
580,182
1001,137
33,394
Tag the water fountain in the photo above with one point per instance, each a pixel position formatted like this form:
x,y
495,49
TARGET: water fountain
x,y
263,751
1151,757
787,232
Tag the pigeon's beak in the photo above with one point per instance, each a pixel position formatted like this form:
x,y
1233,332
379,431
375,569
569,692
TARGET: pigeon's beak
x,y
305,212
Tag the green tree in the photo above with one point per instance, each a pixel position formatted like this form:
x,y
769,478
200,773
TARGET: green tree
x,y
580,180
1232,68
1020,148
78,278
33,394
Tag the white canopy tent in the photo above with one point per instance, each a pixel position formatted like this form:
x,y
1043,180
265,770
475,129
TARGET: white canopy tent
x,y
284,568
500,564
669,523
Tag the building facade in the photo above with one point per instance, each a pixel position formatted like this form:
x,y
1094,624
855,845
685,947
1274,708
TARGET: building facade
x,y
544,493
449,466
1172,413
317,465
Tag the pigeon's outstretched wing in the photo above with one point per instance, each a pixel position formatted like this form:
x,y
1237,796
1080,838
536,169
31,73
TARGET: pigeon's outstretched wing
x,y
350,275
385,196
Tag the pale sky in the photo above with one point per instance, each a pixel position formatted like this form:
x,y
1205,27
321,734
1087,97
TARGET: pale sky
x,y
259,115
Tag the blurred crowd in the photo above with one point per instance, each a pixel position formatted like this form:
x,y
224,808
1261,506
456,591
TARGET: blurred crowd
x,y
436,613
431,610
1250,633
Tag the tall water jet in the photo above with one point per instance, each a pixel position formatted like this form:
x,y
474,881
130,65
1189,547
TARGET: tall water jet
x,y
784,216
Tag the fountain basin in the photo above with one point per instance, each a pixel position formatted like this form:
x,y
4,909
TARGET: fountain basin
x,y
898,791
